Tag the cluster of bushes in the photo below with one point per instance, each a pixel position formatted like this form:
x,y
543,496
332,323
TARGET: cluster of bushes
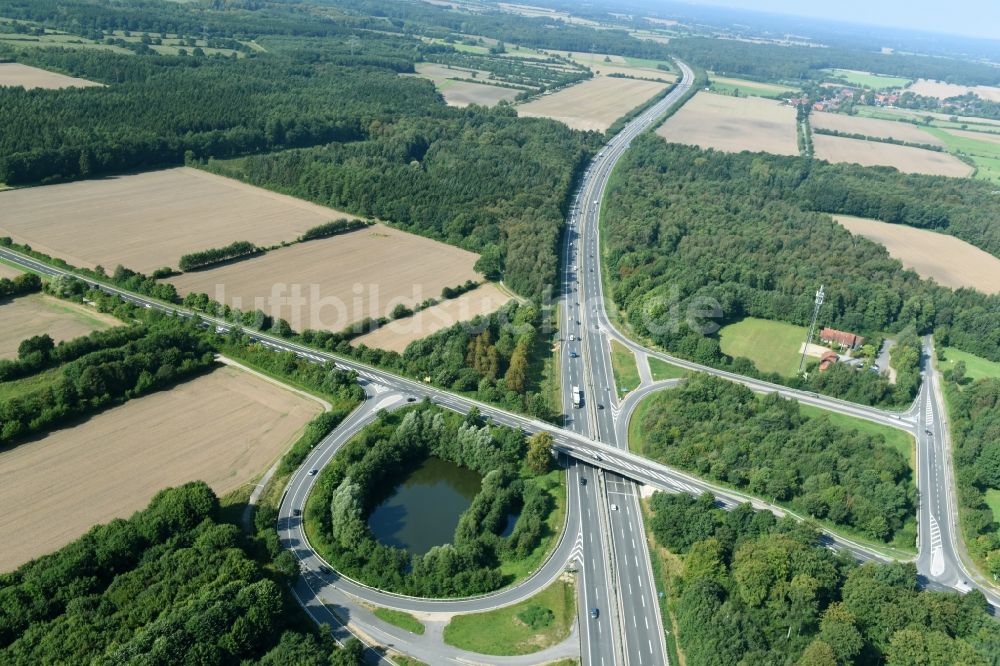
x,y
170,584
163,355
332,228
40,352
765,446
26,283
381,455
235,250
755,590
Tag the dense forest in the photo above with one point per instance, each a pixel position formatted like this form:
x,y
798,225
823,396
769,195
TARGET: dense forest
x,y
765,446
688,228
478,178
383,454
730,57
974,412
754,590
172,584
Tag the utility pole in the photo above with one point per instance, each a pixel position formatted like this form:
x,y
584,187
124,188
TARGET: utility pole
x,y
812,329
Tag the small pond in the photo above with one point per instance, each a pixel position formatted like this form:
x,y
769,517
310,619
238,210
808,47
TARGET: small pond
x,y
423,511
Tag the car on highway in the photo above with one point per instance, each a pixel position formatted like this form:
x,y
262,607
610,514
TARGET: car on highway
x,y
583,480
614,507
594,613
410,398
297,512
573,354
572,337
600,406
324,570
313,472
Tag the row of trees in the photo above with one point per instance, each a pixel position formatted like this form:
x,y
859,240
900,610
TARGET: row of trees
x,y
332,228
381,455
171,584
700,238
766,447
235,250
39,352
754,590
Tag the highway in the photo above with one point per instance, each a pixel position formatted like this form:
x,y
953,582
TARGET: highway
x,y
619,582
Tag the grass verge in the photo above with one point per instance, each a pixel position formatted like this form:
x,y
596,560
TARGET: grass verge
x,y
624,366
660,369
503,632
400,619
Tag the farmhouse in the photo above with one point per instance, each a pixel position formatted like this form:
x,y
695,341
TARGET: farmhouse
x,y
842,338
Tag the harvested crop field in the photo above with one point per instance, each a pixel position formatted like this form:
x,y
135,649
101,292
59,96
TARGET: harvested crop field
x,y
873,153
734,124
224,428
593,104
883,129
990,137
942,90
750,87
948,260
396,335
36,314
331,283
16,74
464,93
148,220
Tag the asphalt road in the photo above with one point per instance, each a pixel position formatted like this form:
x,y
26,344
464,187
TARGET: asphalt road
x,y
621,561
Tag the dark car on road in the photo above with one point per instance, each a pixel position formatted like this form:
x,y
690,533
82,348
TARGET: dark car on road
x,y
594,613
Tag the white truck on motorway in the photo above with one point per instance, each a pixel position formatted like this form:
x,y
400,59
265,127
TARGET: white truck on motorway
x,y
577,396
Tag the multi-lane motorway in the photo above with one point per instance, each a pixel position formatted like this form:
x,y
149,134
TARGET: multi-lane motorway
x,y
620,587
604,532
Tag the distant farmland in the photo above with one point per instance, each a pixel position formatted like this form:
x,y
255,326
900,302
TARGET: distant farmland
x,y
331,283
873,127
874,153
464,93
148,220
36,314
16,74
733,124
224,428
948,260
943,90
593,104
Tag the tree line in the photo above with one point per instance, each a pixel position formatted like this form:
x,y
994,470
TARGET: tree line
x,y
688,226
332,228
765,446
383,454
218,255
974,413
779,62
756,590
171,584
163,355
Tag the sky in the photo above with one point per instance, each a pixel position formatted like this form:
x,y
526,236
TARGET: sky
x,y
976,18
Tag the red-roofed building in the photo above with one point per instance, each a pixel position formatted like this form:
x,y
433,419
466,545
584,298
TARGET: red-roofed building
x,y
842,338
827,359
